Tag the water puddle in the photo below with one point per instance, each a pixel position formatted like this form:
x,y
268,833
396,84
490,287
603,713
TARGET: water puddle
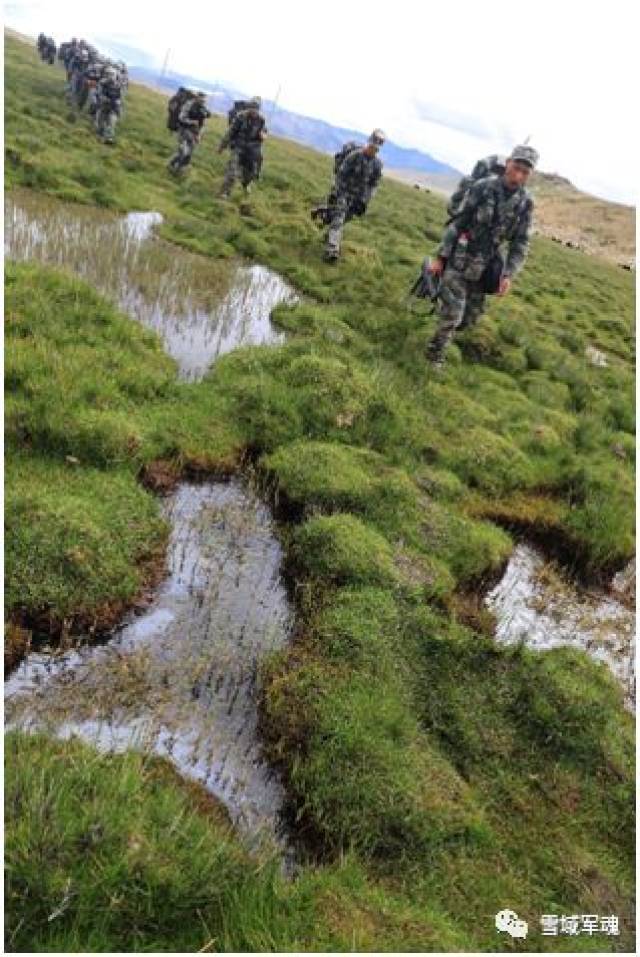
x,y
200,307
534,604
181,680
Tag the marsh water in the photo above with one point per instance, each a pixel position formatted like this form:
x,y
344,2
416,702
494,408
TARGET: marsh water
x,y
182,679
534,603
200,307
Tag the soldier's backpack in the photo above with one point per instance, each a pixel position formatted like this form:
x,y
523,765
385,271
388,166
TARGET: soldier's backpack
x,y
342,154
238,107
176,103
491,166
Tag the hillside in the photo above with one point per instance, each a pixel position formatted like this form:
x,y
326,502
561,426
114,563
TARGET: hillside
x,y
596,226
433,776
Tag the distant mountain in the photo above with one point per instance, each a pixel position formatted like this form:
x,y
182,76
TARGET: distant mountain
x,y
294,126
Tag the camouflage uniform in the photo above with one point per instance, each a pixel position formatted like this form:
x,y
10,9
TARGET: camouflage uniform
x,y
50,51
93,75
108,105
491,216
244,138
79,86
356,181
489,166
191,119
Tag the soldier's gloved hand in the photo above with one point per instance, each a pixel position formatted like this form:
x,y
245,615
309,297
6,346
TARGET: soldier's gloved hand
x,y
505,286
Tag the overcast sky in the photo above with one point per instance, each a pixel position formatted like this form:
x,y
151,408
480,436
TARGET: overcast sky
x,y
458,79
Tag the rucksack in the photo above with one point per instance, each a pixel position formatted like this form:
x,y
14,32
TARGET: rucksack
x,y
490,166
238,107
176,103
342,154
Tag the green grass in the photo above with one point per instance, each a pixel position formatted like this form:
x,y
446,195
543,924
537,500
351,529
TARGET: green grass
x,y
433,777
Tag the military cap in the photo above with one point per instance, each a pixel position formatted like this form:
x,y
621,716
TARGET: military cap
x,y
525,154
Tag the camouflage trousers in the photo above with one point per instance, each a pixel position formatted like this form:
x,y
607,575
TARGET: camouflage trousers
x,y
187,142
245,163
106,118
340,209
460,305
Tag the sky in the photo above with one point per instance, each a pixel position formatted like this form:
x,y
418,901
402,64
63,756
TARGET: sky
x,y
458,80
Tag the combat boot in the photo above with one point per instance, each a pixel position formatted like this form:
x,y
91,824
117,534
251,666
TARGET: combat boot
x,y
434,354
331,256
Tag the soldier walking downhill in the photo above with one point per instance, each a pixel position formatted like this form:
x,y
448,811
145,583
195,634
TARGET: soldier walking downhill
x,y
190,121
244,138
496,212
356,180
108,105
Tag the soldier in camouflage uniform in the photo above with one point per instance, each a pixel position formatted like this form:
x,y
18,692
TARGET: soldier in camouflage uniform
x,y
191,119
108,104
489,166
70,50
244,138
50,50
79,86
356,181
94,73
496,211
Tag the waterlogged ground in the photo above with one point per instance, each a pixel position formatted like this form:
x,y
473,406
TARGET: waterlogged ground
x,y
181,680
534,604
201,308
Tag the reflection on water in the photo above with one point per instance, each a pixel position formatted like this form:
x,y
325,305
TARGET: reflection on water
x,y
200,307
182,679
534,604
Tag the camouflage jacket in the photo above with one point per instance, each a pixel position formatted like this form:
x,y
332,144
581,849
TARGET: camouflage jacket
x,y
247,129
489,166
491,217
359,175
109,92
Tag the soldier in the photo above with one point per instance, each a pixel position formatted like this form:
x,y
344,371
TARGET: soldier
x,y
121,66
323,213
108,105
244,137
79,86
191,120
496,211
94,74
50,50
357,179
489,166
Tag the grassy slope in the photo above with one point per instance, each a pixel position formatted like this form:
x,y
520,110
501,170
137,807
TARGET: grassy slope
x,y
604,228
384,478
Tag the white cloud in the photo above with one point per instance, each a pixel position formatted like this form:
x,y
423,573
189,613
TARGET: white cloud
x,y
458,81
